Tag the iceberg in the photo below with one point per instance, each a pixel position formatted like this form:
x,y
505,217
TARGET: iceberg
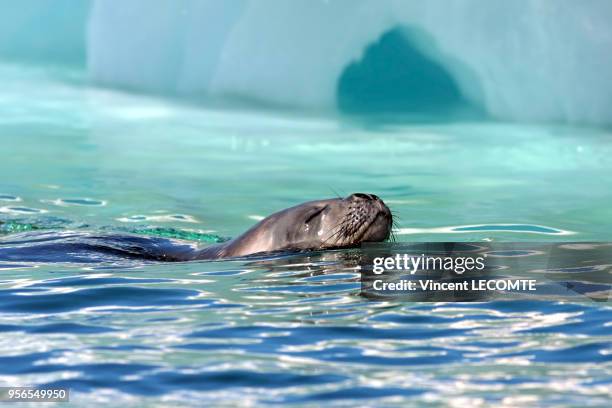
x,y
520,60
49,31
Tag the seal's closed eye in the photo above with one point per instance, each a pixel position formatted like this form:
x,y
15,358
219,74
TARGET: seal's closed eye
x,y
314,214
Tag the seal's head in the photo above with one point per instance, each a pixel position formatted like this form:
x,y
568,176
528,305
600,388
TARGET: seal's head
x,y
323,224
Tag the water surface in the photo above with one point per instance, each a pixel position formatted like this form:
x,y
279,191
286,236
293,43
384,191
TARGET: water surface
x,y
290,328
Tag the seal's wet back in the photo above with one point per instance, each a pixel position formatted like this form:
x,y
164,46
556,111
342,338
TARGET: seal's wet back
x,y
315,225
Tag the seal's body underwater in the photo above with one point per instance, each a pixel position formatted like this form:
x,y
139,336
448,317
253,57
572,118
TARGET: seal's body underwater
x,y
315,225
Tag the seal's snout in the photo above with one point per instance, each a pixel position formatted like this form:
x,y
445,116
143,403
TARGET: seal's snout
x,y
370,200
379,215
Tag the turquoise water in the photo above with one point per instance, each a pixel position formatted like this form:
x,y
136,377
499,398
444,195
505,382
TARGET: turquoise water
x,y
293,328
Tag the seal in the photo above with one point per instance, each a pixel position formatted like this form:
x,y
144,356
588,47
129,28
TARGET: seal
x,y
315,225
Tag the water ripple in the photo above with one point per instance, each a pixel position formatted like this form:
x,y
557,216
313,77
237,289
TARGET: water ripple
x,y
67,202
518,228
119,297
8,197
289,329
